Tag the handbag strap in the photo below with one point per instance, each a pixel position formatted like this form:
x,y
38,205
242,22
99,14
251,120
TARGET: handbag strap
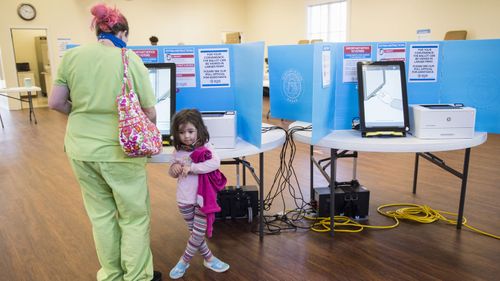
x,y
126,80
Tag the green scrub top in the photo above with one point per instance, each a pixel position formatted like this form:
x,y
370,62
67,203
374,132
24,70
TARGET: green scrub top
x,y
93,74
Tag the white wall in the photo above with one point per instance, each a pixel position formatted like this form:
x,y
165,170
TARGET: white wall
x,y
276,22
279,22
172,21
386,20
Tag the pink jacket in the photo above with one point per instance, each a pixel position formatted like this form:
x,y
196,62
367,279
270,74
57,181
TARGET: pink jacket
x,y
208,186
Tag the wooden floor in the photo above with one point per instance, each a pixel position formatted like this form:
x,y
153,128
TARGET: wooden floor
x,y
45,234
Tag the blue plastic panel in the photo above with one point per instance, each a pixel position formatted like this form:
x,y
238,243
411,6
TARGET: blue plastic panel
x,y
248,77
467,72
243,91
291,81
471,75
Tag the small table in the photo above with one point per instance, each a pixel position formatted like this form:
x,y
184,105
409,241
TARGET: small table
x,y
6,91
270,139
351,140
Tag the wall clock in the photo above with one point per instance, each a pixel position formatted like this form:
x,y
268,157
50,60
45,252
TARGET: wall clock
x,y
26,11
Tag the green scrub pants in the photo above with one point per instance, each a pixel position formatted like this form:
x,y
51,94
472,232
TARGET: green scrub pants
x,y
116,197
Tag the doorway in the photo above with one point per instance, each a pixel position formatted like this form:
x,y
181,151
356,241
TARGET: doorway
x,y
31,54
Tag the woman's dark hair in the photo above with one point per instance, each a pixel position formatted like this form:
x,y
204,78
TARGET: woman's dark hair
x,y
192,116
107,19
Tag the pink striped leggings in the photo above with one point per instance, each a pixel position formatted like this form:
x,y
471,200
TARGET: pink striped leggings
x,y
196,221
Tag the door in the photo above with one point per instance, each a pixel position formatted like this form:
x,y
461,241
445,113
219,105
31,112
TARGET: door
x,y
32,61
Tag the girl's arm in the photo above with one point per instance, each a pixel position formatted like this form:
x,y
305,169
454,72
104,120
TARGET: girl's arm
x,y
175,170
207,166
175,166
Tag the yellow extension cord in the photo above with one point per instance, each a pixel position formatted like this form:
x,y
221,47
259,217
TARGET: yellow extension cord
x,y
408,211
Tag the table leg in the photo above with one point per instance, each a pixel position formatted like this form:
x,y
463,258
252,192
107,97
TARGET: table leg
x,y
464,188
312,201
30,102
261,196
415,174
333,178
244,173
463,176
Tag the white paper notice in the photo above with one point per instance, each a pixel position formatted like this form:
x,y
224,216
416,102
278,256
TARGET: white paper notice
x,y
353,54
391,52
61,45
423,63
214,68
326,68
184,66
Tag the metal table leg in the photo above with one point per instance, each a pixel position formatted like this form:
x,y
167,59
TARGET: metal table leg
x,y
415,174
333,178
463,176
261,196
30,102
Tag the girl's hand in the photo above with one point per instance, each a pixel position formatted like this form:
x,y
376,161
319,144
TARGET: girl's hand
x,y
175,170
185,171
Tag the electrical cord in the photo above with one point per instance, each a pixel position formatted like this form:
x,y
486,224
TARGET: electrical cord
x,y
286,179
295,219
408,211
344,224
425,214
290,174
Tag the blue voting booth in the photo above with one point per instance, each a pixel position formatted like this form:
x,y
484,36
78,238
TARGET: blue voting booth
x,y
217,78
461,72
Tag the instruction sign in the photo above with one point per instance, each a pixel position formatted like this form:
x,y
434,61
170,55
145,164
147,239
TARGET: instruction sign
x,y
214,68
147,55
391,51
353,54
423,63
185,72
326,66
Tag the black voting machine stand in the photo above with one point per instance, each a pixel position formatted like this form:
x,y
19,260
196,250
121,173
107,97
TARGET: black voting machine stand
x,y
239,202
350,198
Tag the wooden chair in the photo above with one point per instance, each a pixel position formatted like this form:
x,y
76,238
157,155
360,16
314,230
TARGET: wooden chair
x,y
455,35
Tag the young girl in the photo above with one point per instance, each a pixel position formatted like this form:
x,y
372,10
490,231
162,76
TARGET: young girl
x,y
191,143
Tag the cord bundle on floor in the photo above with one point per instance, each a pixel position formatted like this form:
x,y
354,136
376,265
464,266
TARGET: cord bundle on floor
x,y
425,214
408,211
286,179
302,217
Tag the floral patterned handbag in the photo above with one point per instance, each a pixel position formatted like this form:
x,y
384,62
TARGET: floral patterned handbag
x,y
138,136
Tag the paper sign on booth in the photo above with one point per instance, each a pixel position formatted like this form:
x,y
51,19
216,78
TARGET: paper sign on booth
x,y
214,68
423,63
184,66
147,55
391,51
326,68
353,54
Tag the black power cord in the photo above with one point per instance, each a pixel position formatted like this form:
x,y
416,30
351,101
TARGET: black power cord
x,y
286,179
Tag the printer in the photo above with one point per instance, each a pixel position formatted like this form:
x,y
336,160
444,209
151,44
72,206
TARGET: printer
x,y
221,126
442,121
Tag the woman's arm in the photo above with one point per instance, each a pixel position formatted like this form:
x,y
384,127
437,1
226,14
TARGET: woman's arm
x,y
59,99
150,113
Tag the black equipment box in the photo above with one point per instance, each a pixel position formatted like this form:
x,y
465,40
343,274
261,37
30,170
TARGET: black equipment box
x,y
351,200
238,202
